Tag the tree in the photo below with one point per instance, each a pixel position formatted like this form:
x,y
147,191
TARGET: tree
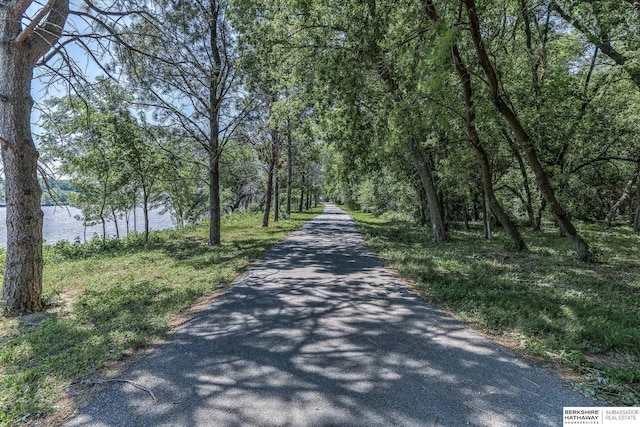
x,y
20,50
187,75
182,177
486,177
544,184
105,150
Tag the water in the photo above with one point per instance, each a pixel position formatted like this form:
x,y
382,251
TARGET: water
x,y
60,224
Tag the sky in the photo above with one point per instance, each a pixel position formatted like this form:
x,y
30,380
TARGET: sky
x,y
42,87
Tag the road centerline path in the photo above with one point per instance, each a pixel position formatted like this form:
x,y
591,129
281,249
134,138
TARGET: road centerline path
x,y
317,333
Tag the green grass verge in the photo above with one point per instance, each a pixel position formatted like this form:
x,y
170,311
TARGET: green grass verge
x,y
586,317
107,301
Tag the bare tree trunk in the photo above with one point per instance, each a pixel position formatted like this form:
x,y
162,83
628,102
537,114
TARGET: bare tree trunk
x,y
301,204
214,196
289,169
276,194
626,195
485,167
426,178
525,180
22,286
422,199
486,218
580,245
267,203
104,227
115,221
215,101
145,212
475,208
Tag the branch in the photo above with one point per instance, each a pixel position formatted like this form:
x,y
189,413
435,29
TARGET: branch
x,y
602,159
34,22
47,34
604,45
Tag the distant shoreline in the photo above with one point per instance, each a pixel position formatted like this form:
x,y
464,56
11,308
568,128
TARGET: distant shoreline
x,y
4,205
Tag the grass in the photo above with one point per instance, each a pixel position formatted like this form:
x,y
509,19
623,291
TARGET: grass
x,y
583,318
107,302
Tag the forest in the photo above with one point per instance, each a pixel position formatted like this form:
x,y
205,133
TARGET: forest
x,y
514,112
453,128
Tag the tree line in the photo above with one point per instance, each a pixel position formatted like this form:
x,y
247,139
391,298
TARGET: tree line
x,y
445,110
450,110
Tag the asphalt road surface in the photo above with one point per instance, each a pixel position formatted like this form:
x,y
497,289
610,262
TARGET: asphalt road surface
x,y
317,333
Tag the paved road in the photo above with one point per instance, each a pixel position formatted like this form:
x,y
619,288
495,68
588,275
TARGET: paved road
x,y
319,334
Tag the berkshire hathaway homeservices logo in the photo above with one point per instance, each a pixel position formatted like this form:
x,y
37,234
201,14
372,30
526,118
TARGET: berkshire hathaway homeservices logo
x,y
602,416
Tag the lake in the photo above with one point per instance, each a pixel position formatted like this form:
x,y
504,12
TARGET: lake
x,y
60,223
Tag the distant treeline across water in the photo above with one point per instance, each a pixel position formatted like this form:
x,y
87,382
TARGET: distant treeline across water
x,y
60,223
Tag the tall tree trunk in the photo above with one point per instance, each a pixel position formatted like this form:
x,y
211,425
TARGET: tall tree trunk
x,y
475,209
626,195
426,178
289,169
525,180
267,202
214,195
465,217
423,166
20,49
422,199
115,222
301,204
135,217
22,286
145,212
104,228
215,101
485,167
486,218
308,202
580,245
276,194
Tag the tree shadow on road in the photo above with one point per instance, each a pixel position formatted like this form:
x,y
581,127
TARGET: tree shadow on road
x,y
319,335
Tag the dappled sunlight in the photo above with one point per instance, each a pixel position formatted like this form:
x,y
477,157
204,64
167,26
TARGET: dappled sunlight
x,y
318,333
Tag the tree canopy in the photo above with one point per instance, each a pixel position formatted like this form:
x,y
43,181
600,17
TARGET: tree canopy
x,y
511,113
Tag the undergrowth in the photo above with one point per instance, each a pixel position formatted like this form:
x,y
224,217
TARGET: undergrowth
x,y
584,316
108,300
